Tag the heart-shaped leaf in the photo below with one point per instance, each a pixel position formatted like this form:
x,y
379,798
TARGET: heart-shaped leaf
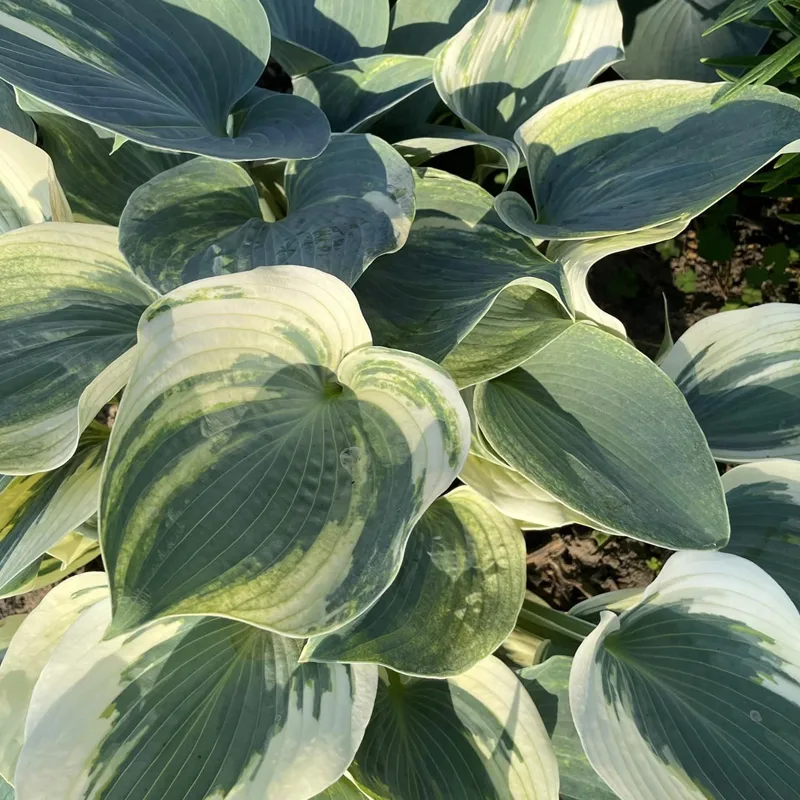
x,y
68,316
456,597
740,373
707,663
518,56
266,463
175,75
626,155
309,34
347,207
190,707
595,424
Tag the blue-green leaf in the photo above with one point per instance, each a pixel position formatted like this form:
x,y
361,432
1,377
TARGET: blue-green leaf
x,y
165,74
347,207
627,155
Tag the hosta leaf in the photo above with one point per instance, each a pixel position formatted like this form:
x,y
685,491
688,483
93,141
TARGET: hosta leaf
x,y
740,373
595,424
350,205
694,692
164,74
68,315
474,735
421,27
627,155
517,56
454,601
578,256
665,39
764,506
513,494
309,34
13,118
191,707
548,686
355,94
29,652
266,464
459,258
96,182
6,790
29,190
37,511
440,139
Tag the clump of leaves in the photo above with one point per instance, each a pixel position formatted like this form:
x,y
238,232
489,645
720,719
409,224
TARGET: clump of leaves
x,y
315,333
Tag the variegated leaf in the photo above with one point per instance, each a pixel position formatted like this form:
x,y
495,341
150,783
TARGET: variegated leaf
x,y
627,155
190,707
454,601
355,94
435,140
740,373
595,424
421,27
517,497
266,463
764,506
347,207
548,686
96,181
667,39
29,190
578,256
175,75
518,56
464,290
12,117
68,315
694,692
474,735
309,34
29,652
37,511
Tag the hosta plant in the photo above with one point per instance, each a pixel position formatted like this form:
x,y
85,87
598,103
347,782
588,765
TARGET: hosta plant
x,y
343,380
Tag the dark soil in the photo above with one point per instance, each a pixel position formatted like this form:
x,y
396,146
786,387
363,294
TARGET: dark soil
x,y
567,566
